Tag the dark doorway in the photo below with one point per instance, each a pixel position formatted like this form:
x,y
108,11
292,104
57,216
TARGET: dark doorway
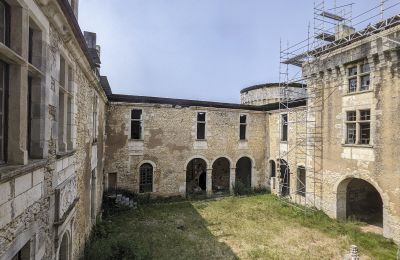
x,y
272,169
364,203
112,181
220,175
285,177
196,176
243,172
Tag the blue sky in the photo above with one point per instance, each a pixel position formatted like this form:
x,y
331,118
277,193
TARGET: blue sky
x,y
197,49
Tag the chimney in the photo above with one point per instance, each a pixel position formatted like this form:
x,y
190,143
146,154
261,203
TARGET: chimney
x,y
342,31
90,39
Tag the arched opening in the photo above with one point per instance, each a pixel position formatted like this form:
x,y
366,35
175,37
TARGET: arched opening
x,y
196,176
358,199
64,252
146,178
285,177
220,175
243,172
272,169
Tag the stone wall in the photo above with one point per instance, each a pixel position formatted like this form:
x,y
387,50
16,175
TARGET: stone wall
x,y
169,144
269,94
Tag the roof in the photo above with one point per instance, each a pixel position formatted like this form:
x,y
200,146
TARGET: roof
x,y
106,85
268,85
199,103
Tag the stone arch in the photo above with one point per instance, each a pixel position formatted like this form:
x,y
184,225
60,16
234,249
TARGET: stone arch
x,y
196,175
244,171
64,252
195,157
284,175
360,199
221,174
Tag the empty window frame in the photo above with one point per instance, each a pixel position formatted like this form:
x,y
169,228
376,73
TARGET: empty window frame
x,y
95,118
301,181
358,127
359,77
146,178
201,125
65,113
4,23
3,111
136,124
284,127
243,127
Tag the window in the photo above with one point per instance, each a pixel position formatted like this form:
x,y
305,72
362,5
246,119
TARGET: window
x,y
65,106
358,121
93,192
146,178
201,126
95,118
136,124
24,253
4,23
301,181
3,111
29,117
359,77
243,126
284,127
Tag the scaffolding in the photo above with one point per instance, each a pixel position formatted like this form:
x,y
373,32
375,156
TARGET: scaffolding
x,y
322,41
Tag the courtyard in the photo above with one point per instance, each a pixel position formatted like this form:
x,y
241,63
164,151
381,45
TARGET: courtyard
x,y
248,227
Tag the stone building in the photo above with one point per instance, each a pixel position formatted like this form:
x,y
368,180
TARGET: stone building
x,y
52,129
65,137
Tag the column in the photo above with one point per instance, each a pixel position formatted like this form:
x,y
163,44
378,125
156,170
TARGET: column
x,y
232,179
209,182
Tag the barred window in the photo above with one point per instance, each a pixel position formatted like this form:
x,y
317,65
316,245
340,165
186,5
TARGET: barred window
x,y
146,178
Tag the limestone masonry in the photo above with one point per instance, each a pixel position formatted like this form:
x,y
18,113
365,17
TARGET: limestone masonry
x,y
65,138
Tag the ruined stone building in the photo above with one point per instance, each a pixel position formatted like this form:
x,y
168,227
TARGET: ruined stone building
x,y
65,137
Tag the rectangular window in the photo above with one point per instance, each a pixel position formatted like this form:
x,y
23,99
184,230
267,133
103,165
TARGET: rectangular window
x,y
364,83
136,124
359,78
353,71
352,85
365,117
95,119
4,23
301,181
243,127
201,126
29,117
284,127
30,48
3,111
351,127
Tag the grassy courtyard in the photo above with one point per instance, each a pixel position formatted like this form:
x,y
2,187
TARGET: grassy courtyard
x,y
254,227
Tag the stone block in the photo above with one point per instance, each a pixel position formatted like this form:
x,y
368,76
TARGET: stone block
x,y
5,192
23,183
25,200
38,176
5,214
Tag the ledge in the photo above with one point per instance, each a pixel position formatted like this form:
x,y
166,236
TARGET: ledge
x,y
8,172
65,154
358,93
358,145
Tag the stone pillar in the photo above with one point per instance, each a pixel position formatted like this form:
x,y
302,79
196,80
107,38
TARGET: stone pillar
x,y
18,89
209,182
232,179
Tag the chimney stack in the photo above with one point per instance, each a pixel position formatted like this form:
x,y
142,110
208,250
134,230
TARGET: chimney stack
x,y
342,31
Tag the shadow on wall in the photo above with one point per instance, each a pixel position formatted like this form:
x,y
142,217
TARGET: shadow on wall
x,y
155,233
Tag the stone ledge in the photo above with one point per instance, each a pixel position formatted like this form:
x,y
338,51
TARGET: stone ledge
x,y
65,154
8,172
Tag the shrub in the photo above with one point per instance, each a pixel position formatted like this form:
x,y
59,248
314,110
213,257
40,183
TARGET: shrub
x,y
239,188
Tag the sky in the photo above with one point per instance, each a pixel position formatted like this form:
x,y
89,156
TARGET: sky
x,y
199,49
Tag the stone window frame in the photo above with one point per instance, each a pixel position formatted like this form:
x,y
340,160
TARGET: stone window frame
x,y
354,118
65,106
245,124
356,73
141,120
284,138
201,122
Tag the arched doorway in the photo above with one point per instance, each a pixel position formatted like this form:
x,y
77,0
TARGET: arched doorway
x,y
358,199
146,178
64,252
220,175
196,176
285,177
243,172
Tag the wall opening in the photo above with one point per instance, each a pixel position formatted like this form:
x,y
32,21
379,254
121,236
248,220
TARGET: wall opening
x,y
196,176
146,178
285,177
243,172
220,175
359,200
272,169
112,181
63,253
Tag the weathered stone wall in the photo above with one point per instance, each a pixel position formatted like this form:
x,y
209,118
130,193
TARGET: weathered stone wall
x,y
170,143
270,94
376,163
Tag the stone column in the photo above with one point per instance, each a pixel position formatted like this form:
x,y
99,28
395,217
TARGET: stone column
x,y
209,182
18,89
232,179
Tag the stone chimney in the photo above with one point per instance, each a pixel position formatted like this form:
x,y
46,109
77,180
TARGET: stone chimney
x,y
343,30
94,49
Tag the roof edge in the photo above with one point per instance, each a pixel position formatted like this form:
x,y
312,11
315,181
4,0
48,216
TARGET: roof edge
x,y
267,85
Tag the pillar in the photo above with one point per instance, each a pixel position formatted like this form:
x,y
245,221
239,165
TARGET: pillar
x,y
209,182
232,179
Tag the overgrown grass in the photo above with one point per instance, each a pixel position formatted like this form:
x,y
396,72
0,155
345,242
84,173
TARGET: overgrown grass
x,y
253,227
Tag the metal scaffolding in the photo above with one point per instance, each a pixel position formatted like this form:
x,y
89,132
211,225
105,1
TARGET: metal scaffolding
x,y
322,41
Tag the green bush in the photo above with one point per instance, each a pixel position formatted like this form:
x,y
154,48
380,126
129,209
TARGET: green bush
x,y
239,189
